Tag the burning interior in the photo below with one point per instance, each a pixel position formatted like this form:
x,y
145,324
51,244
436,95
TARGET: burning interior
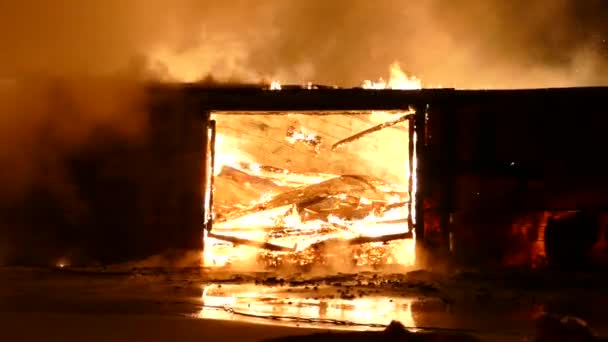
x,y
331,188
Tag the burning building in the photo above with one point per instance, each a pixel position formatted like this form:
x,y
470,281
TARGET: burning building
x,y
305,174
370,176
288,147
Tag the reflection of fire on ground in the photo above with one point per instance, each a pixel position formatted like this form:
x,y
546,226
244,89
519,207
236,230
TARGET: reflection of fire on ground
x,y
313,188
297,306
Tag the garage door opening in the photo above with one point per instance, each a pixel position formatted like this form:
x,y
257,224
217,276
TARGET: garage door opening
x,y
310,188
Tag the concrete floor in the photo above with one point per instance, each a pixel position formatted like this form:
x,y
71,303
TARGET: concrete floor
x,y
167,304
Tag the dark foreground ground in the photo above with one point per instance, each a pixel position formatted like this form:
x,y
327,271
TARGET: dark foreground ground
x,y
155,304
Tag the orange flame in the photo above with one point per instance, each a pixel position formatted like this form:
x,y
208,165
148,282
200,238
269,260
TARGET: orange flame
x,y
397,80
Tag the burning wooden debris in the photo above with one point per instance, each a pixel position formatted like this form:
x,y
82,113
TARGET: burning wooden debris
x,y
300,215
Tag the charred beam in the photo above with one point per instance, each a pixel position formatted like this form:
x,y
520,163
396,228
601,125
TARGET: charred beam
x,y
398,205
361,240
371,130
208,160
410,183
252,243
345,242
212,129
420,148
448,178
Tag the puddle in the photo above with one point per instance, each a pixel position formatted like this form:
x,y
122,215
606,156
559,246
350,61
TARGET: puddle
x,y
329,307
303,306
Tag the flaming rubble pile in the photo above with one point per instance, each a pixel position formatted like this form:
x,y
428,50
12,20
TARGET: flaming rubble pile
x,y
331,189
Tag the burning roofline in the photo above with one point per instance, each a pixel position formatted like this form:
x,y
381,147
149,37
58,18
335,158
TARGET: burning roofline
x,y
248,97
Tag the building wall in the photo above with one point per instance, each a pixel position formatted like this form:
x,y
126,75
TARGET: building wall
x,y
130,199
499,166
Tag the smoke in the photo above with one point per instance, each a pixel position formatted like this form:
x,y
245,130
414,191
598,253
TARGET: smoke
x,y
462,43
43,120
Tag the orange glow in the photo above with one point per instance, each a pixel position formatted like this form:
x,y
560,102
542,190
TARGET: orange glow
x,y
62,263
539,255
524,250
599,252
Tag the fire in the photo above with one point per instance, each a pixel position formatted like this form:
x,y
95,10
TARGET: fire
x,y
298,232
62,263
275,85
238,160
295,135
276,221
397,80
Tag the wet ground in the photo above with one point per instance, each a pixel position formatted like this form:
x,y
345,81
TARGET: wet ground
x,y
255,306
